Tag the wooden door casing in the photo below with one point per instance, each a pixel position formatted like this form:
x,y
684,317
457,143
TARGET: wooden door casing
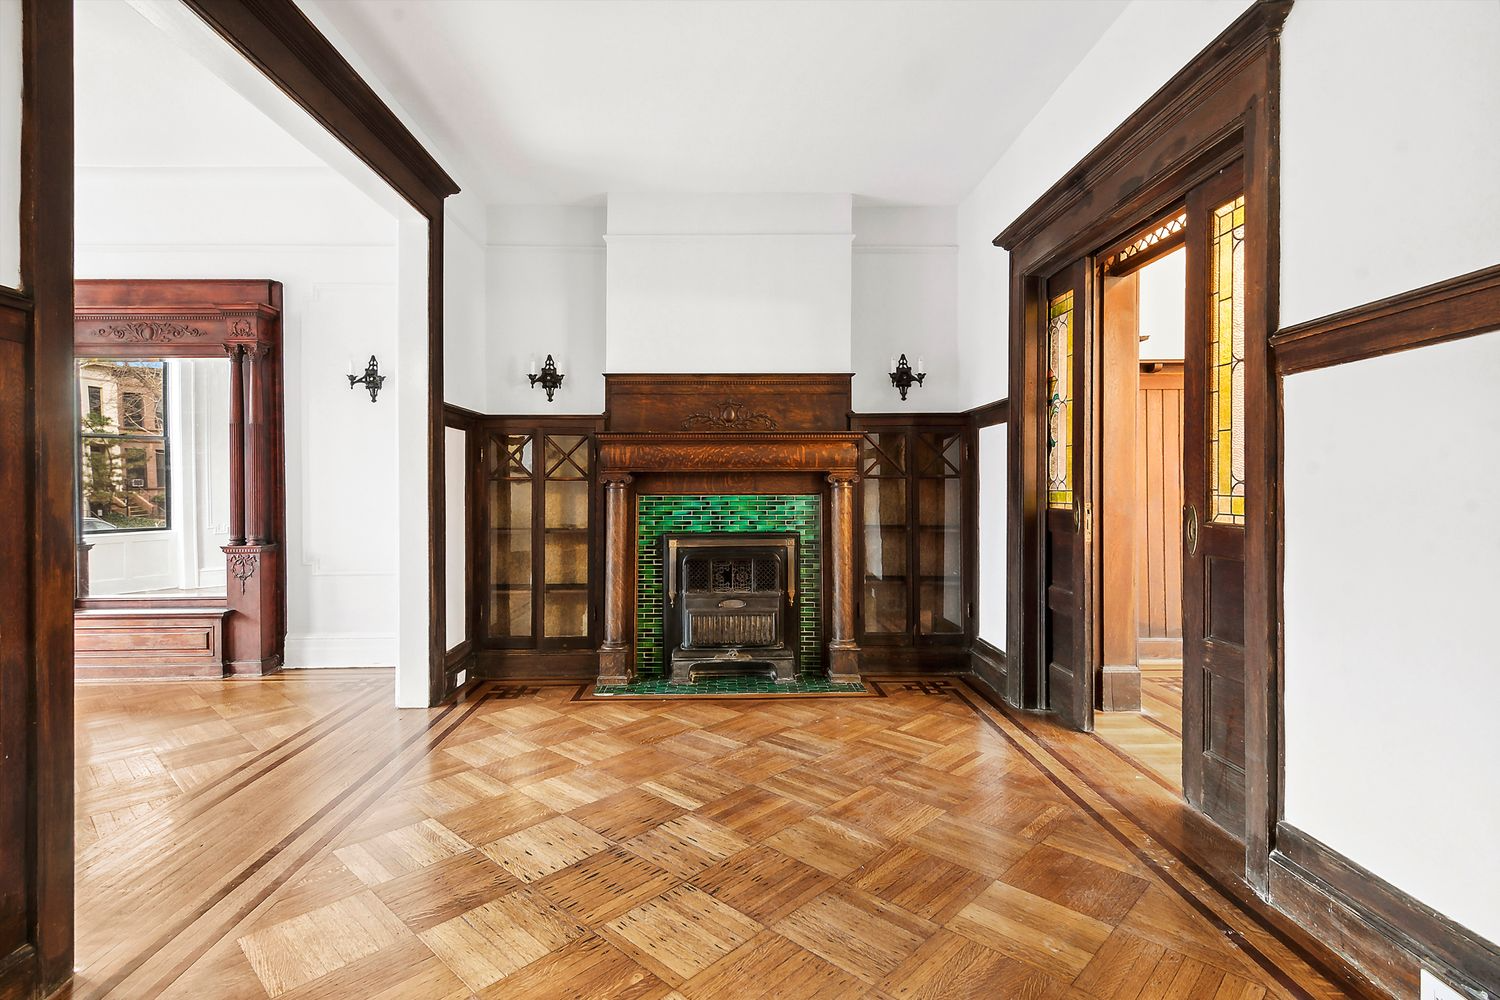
x,y
1067,630
1213,558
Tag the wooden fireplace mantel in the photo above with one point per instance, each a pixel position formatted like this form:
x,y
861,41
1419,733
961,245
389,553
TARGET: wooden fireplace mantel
x,y
833,455
769,451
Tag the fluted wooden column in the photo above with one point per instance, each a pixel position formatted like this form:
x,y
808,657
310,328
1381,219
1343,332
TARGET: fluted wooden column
x,y
257,448
236,354
843,649
616,663
251,557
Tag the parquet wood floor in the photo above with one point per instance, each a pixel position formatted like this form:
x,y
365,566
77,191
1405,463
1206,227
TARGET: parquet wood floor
x,y
1152,737
296,837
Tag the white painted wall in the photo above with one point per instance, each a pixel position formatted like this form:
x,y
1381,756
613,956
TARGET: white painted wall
x,y
728,283
1391,671
904,299
992,525
1423,208
1389,665
335,253
10,143
465,343
544,271
413,466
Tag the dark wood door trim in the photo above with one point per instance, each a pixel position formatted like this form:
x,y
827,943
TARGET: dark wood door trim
x,y
1443,311
36,616
283,44
1222,106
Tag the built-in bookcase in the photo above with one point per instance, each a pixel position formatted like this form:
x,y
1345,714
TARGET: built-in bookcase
x,y
914,558
539,532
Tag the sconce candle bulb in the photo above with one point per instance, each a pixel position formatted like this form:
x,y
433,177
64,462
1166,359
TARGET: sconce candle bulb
x,y
371,379
902,376
549,378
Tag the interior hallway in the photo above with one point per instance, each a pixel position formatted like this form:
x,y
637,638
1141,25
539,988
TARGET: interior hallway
x,y
1151,739
297,837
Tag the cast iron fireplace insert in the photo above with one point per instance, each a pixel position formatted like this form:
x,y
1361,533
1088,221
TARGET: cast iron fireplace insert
x,y
731,604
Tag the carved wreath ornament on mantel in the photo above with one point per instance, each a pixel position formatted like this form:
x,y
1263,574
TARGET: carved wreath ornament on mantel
x,y
147,331
730,416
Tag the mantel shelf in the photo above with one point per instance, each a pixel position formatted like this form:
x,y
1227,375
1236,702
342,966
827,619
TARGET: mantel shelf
x,y
730,451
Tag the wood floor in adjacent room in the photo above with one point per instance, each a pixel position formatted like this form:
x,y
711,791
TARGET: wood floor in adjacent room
x,y
298,837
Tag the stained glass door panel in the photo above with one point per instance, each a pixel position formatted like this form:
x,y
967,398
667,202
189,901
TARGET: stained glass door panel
x,y
1065,635
1215,499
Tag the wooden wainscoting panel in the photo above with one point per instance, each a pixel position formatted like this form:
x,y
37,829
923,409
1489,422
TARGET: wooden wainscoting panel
x,y
146,643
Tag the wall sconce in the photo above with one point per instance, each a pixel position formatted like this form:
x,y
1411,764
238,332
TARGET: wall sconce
x,y
549,378
902,376
371,379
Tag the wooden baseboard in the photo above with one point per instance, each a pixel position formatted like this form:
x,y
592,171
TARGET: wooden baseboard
x,y
1121,688
912,660
989,667
1384,932
529,664
458,660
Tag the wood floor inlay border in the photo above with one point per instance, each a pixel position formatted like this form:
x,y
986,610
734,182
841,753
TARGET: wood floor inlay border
x,y
1233,934
241,876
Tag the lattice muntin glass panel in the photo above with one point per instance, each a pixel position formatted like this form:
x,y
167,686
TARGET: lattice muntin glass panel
x,y
565,554
1060,400
1226,361
1145,241
511,461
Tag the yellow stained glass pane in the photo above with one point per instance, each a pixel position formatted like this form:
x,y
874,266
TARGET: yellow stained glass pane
x,y
1060,400
1226,358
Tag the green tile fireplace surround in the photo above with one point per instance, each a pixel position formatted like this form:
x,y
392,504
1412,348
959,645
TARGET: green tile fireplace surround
x,y
656,515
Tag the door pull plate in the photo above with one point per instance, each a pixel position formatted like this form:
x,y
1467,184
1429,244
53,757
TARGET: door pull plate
x,y
1190,529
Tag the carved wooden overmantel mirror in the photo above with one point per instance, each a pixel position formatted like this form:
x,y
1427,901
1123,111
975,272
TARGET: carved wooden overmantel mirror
x,y
180,486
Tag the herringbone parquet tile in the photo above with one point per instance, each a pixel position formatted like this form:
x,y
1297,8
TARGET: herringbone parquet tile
x,y
298,838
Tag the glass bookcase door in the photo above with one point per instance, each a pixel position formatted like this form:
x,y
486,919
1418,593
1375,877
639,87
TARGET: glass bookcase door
x,y
939,527
565,537
510,487
886,599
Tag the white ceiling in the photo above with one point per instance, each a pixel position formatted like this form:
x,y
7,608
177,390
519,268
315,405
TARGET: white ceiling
x,y
902,101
